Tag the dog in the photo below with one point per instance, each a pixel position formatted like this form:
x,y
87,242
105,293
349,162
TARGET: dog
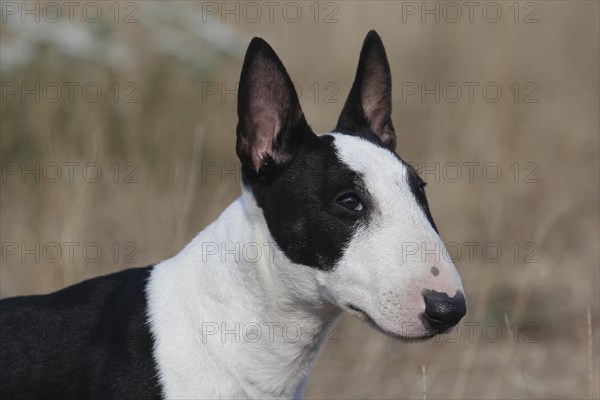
x,y
327,221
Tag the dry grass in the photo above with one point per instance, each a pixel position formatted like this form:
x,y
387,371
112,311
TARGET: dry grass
x,y
173,135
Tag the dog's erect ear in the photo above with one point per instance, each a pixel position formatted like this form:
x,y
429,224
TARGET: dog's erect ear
x,y
270,121
369,104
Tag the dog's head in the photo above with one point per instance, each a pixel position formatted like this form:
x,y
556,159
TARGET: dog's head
x,y
343,203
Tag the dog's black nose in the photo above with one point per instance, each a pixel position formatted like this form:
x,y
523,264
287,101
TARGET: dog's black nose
x,y
442,312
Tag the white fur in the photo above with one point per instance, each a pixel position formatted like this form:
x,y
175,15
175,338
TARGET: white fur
x,y
185,294
195,291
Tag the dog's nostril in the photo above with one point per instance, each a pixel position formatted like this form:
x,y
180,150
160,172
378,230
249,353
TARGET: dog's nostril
x,y
442,311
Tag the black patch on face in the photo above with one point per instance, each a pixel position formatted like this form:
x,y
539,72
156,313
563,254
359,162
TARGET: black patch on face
x,y
300,207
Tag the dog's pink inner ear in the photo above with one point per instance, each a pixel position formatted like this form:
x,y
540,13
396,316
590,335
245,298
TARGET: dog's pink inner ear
x,y
376,102
265,125
271,105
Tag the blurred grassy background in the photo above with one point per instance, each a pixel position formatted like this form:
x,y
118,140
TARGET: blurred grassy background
x,y
168,58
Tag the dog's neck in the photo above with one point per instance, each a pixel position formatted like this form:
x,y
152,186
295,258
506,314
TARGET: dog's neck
x,y
232,296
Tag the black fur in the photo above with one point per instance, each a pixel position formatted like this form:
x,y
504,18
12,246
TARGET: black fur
x,y
301,209
88,341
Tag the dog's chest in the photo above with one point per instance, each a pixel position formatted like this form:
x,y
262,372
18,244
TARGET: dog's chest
x,y
215,334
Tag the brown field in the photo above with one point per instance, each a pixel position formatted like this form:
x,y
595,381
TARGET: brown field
x,y
166,120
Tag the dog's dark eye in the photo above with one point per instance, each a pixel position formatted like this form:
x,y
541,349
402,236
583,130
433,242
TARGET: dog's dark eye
x,y
422,186
350,201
